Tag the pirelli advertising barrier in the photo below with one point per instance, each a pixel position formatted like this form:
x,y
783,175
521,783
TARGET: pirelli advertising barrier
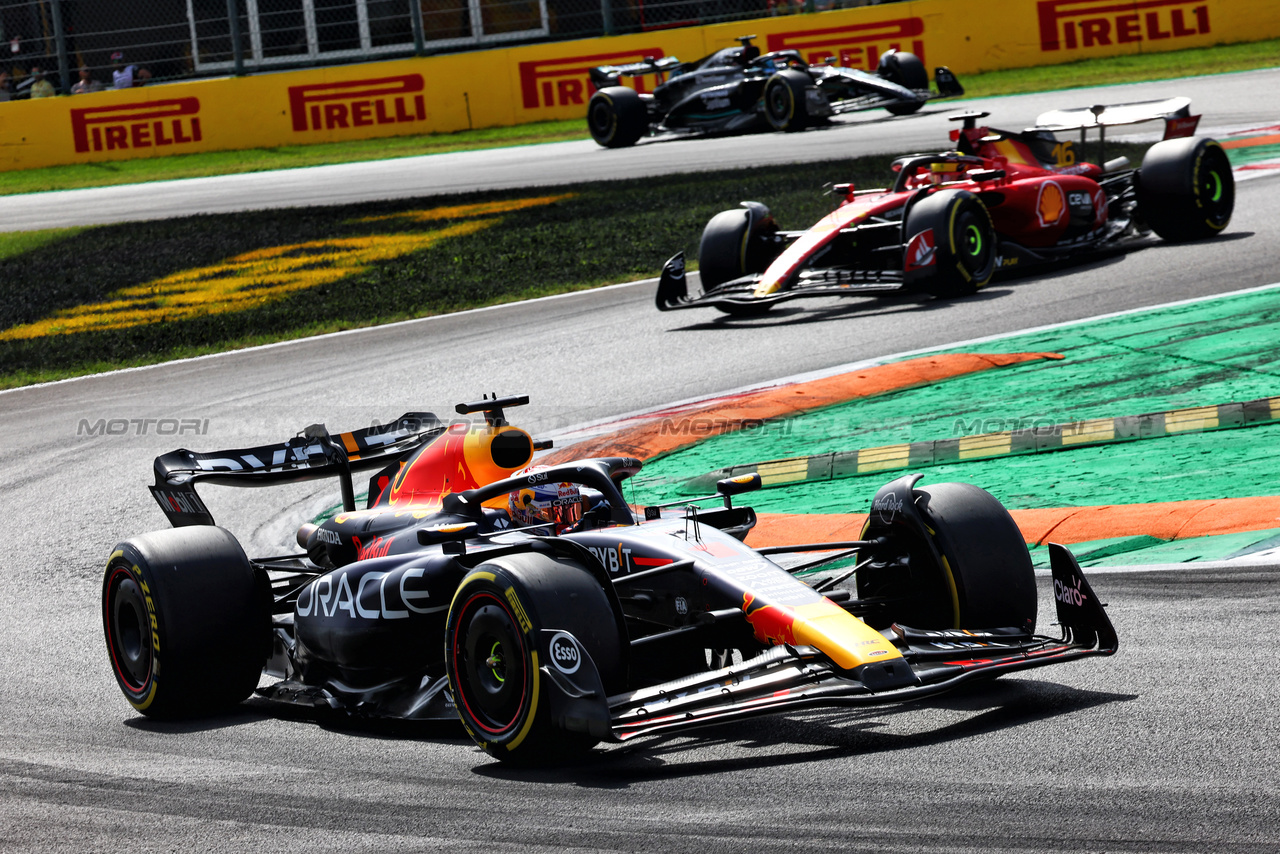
x,y
549,81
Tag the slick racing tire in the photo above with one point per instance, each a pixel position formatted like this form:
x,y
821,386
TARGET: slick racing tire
x,y
907,70
951,244
187,624
734,245
491,652
983,578
1185,189
616,117
784,100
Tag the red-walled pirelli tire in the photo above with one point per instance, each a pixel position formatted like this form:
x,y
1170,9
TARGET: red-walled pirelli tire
x,y
785,107
617,117
187,624
1185,188
951,244
984,580
492,659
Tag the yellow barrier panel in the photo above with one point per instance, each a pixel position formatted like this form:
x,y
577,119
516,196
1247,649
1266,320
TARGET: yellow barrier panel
x,y
549,81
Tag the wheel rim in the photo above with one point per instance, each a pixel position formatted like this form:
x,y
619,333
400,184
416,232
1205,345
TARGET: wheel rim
x,y
974,248
1214,191
779,103
489,661
128,635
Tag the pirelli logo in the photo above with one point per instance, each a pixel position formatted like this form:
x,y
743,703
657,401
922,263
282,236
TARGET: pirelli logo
x,y
1072,24
358,103
154,124
855,45
564,81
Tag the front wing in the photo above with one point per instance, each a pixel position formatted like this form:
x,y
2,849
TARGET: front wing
x,y
790,678
673,291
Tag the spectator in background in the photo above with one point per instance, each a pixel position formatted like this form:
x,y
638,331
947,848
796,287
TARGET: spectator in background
x,y
127,76
86,83
6,87
40,85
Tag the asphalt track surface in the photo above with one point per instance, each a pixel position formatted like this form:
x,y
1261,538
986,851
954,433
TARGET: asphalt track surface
x,y
1168,746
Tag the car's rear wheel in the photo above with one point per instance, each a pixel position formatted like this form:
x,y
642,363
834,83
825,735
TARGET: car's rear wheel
x,y
951,244
187,624
784,100
906,70
982,578
616,117
1185,188
491,652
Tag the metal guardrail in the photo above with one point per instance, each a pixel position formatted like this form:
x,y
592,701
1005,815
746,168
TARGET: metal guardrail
x,y
69,46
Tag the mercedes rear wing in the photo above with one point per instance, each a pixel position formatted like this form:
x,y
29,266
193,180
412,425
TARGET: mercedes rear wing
x,y
312,454
609,75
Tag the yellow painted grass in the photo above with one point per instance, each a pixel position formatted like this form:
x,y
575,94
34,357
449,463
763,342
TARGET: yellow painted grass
x,y
265,275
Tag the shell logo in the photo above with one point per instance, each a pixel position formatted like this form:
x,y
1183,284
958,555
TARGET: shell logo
x,y
1051,205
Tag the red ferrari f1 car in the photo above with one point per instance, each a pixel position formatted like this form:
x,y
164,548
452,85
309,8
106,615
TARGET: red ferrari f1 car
x,y
999,201
536,605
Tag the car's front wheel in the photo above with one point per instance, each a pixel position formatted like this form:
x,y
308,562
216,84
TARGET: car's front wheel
x,y
492,658
969,567
785,106
951,244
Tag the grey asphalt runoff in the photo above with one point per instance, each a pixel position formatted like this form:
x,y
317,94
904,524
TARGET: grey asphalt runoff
x,y
1168,746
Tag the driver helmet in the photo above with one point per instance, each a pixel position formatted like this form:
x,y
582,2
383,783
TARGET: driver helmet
x,y
545,502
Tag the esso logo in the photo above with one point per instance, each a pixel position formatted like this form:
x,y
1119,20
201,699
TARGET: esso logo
x,y
565,655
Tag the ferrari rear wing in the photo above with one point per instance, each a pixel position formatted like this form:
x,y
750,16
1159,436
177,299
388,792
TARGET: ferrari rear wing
x,y
1174,112
312,454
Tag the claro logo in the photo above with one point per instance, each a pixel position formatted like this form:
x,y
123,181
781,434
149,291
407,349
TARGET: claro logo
x,y
1072,24
358,103
557,82
856,45
154,124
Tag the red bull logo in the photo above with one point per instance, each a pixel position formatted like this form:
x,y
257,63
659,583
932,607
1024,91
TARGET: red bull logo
x,y
772,624
1072,24
153,124
564,81
358,103
854,45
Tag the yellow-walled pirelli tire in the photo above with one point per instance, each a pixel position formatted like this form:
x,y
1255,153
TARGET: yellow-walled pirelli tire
x,y
187,624
983,578
951,244
984,557
492,652
1185,188
785,107
617,117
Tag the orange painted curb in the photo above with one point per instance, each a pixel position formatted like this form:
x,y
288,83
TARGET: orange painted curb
x,y
661,435
1175,520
